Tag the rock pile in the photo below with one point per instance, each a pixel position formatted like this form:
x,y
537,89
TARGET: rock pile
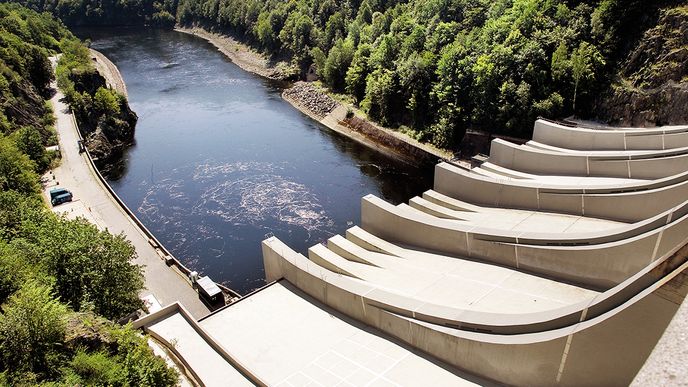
x,y
309,97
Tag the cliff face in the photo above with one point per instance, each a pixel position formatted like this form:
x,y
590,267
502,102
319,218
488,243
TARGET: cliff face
x,y
24,106
106,121
652,86
111,136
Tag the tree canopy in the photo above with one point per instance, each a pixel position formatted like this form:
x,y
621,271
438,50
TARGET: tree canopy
x,y
436,66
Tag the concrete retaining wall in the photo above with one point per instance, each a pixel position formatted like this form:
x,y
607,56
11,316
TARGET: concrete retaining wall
x,y
630,203
597,260
542,162
590,139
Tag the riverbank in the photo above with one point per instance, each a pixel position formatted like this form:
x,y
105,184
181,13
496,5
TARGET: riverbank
x,y
242,55
318,104
109,71
343,119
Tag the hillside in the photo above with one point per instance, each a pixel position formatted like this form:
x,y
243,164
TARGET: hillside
x,y
437,68
60,280
651,84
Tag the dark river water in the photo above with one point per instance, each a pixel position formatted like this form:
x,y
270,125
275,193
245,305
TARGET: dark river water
x,y
221,161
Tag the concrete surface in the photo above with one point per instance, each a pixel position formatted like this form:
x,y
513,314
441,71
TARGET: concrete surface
x,y
306,343
207,364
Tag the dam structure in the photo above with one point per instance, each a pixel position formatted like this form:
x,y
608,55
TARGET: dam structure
x,y
560,261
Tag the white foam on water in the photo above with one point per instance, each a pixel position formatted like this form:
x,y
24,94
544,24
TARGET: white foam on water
x,y
256,199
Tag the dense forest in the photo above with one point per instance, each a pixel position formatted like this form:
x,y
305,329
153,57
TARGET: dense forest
x,y
60,280
437,67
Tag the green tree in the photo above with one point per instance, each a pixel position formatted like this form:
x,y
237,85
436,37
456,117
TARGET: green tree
x,y
334,30
585,60
337,63
14,270
90,266
381,91
16,169
416,76
267,29
358,72
29,141
142,366
32,328
560,63
106,101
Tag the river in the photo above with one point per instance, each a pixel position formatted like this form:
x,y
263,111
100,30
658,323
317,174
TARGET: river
x,y
221,161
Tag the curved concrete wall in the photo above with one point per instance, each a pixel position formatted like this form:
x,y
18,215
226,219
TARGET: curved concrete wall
x,y
537,161
626,204
596,126
208,346
590,259
590,139
572,355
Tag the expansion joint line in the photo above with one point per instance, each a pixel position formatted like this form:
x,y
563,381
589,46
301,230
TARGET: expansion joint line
x,y
654,252
468,244
564,355
587,165
659,238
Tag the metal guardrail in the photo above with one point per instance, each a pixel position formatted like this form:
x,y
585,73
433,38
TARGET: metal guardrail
x,y
151,238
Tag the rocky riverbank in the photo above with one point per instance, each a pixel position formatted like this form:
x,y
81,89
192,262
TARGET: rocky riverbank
x,y
244,56
316,101
107,134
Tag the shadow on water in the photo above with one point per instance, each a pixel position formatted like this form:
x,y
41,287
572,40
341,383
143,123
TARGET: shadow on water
x,y
221,161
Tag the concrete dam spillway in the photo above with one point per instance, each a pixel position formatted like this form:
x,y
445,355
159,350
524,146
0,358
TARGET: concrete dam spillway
x,y
557,262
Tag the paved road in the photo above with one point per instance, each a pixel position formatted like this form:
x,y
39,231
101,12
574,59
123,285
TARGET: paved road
x,y
76,174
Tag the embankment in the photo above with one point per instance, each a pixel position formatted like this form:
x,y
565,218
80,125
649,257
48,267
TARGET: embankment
x,y
242,55
321,107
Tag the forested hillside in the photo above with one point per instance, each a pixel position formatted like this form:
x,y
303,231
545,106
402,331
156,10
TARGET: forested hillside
x,y
441,66
59,279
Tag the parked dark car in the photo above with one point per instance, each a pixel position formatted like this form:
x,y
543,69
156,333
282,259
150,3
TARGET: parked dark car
x,y
59,196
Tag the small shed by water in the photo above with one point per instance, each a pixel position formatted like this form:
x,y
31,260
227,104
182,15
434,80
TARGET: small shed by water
x,y
209,289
